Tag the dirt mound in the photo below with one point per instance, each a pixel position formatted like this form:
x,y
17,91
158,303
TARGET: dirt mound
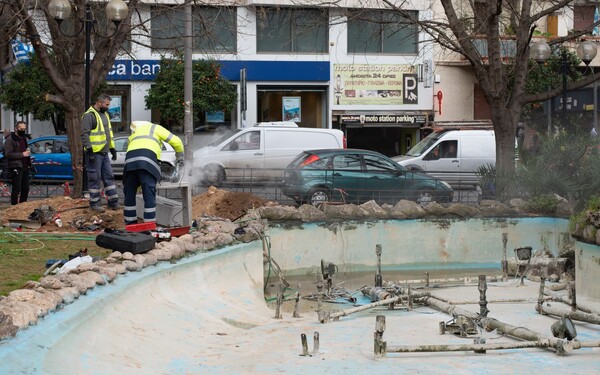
x,y
226,204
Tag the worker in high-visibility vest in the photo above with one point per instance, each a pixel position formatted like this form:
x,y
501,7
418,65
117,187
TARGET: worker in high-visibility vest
x,y
98,142
142,167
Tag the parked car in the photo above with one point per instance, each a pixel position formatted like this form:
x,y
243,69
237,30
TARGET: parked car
x,y
452,155
357,176
51,158
167,156
260,152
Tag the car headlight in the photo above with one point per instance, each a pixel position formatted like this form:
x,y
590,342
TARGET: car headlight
x,y
447,185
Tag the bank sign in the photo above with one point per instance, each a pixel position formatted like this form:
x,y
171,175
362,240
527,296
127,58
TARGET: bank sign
x,y
134,70
374,84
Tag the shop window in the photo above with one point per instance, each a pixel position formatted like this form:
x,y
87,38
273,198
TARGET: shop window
x,y
213,121
291,30
381,32
214,28
119,109
312,105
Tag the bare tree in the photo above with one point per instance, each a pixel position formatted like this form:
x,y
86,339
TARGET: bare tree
x,y
502,78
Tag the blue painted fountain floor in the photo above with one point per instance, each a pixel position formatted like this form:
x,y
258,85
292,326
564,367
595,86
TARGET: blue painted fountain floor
x,y
175,320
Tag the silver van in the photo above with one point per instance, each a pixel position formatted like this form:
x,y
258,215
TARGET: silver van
x,y
452,155
260,152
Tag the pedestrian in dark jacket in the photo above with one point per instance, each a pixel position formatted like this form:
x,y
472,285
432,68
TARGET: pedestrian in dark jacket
x,y
19,163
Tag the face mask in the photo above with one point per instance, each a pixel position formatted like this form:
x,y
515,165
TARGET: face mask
x,y
102,110
20,133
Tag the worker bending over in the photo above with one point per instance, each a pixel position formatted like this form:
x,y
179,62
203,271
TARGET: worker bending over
x,y
142,167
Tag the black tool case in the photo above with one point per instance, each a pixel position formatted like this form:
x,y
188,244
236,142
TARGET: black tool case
x,y
133,242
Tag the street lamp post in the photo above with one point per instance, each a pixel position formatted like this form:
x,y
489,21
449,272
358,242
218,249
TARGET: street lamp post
x,y
586,51
116,11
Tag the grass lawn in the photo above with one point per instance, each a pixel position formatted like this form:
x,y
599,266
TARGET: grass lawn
x,y
23,257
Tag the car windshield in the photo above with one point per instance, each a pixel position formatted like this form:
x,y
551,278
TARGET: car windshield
x,y
224,137
425,144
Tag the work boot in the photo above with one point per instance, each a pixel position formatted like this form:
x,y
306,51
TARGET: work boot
x,y
114,205
97,209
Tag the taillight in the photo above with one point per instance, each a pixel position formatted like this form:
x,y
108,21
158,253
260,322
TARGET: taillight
x,y
309,160
345,142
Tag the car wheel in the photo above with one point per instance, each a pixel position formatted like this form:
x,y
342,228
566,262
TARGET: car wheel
x,y
213,175
319,196
424,197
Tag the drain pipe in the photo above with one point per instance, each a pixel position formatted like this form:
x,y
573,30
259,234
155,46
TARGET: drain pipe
x,y
561,346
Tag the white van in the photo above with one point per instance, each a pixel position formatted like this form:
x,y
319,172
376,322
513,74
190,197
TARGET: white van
x,y
260,152
452,155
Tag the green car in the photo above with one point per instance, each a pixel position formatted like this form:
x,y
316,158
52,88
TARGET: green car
x,y
357,176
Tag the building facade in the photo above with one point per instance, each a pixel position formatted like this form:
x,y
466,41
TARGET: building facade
x,y
367,71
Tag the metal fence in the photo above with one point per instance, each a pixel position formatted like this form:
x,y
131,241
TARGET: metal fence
x,y
249,181
269,184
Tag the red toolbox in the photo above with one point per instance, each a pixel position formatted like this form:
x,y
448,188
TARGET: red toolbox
x,y
122,241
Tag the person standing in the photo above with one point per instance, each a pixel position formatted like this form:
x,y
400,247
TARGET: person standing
x,y
98,141
142,166
19,163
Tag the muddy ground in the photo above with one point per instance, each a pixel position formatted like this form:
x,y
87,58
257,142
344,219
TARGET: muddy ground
x,y
76,215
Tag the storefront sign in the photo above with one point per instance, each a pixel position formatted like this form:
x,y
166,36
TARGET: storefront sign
x,y
134,70
383,119
374,84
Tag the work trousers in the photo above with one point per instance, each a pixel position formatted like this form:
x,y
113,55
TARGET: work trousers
x,y
131,181
20,178
100,170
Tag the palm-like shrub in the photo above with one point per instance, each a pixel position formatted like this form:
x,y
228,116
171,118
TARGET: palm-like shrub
x,y
565,164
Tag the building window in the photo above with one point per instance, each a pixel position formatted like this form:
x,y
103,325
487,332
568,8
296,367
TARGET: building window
x,y
583,17
291,30
381,32
214,28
